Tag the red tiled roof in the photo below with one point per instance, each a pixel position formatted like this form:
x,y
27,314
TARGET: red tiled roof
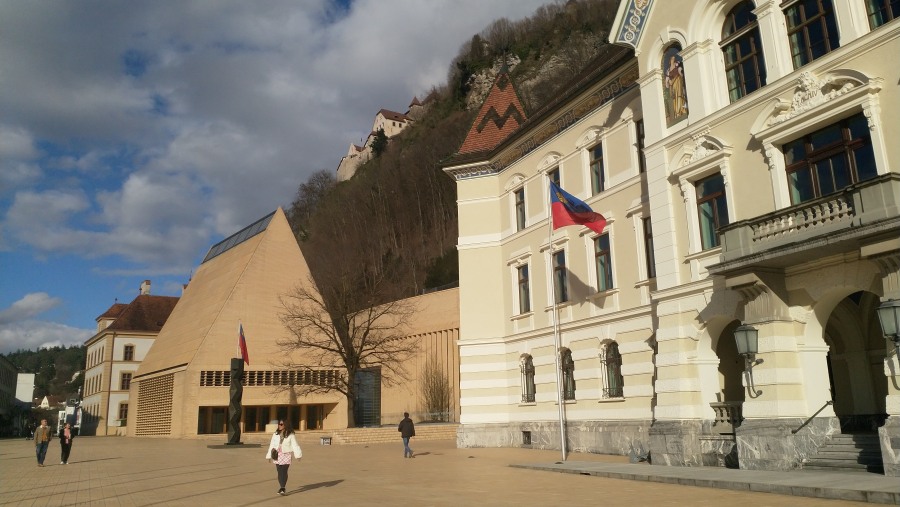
x,y
501,114
145,313
393,115
113,312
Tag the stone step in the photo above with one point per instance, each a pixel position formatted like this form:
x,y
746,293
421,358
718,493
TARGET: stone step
x,y
875,469
864,456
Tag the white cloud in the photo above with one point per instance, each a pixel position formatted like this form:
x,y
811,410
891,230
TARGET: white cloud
x,y
35,334
145,130
27,307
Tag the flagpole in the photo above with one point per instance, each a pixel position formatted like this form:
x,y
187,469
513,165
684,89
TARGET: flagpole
x,y
556,340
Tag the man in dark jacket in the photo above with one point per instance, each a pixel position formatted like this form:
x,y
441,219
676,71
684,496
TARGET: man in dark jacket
x,y
407,430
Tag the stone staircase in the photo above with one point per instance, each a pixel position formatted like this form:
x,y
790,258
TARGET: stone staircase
x,y
854,452
381,435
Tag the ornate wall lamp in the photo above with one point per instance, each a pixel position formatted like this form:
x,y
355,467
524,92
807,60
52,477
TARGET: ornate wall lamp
x,y
889,317
747,339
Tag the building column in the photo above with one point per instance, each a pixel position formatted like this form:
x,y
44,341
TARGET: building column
x,y
887,257
781,424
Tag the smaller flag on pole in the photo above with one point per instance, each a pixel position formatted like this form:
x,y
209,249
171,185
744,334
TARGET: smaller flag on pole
x,y
242,345
569,210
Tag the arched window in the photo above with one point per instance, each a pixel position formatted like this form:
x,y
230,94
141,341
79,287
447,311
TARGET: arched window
x,y
612,378
527,367
745,68
568,374
674,89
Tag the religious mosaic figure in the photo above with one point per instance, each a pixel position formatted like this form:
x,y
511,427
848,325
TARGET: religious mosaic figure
x,y
675,92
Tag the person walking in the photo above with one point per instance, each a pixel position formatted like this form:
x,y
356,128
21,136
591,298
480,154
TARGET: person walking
x,y
282,449
41,441
407,430
65,443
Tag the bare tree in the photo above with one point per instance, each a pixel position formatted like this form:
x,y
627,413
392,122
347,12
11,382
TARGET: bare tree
x,y
435,391
335,330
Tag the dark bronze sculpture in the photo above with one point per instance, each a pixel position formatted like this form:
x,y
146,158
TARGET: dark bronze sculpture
x,y
236,392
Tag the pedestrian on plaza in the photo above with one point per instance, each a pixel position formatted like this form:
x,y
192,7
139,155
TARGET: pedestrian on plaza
x,y
65,443
282,449
407,430
42,437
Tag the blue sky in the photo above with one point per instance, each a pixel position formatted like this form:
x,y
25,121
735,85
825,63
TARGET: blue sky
x,y
134,135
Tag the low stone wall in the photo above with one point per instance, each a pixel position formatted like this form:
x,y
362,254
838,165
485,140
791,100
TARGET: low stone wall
x,y
600,437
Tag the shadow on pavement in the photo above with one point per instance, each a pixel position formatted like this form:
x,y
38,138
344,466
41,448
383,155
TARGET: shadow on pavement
x,y
317,485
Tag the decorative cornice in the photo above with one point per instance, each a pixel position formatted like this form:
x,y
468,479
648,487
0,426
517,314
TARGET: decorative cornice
x,y
811,92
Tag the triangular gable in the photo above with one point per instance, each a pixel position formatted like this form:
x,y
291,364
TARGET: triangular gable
x,y
500,115
630,21
241,284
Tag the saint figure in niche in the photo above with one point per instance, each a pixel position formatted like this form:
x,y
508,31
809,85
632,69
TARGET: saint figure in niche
x,y
674,92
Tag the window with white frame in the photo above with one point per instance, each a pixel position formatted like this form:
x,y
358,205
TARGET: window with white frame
x,y
598,173
611,363
812,30
553,174
712,209
745,69
882,11
649,256
603,262
524,289
528,389
640,134
519,206
831,97
830,159
560,276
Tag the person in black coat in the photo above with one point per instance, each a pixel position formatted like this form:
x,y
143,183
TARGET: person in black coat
x,y
66,434
407,430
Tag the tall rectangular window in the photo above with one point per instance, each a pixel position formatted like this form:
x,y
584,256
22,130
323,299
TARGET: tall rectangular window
x,y
528,380
123,411
745,69
560,281
812,30
639,131
648,248
128,354
830,159
603,262
554,176
125,382
519,197
524,291
712,207
598,179
882,11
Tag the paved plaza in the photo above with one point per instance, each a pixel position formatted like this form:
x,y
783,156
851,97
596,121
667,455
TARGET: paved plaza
x,y
145,472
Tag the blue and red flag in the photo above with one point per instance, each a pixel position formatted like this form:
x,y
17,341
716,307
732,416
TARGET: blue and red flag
x,y
242,345
569,210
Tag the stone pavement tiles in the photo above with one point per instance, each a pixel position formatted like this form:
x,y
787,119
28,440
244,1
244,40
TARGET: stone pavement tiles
x,y
127,471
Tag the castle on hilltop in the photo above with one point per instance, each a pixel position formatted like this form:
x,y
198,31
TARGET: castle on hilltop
x,y
391,123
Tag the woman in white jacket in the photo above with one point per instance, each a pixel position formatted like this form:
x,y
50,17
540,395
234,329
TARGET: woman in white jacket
x,y
285,447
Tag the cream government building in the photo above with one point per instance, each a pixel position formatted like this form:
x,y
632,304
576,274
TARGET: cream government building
x,y
745,155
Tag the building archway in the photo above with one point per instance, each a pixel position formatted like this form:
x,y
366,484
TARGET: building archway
x,y
856,354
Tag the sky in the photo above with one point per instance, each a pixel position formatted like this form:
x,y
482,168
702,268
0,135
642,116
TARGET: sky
x,y
135,135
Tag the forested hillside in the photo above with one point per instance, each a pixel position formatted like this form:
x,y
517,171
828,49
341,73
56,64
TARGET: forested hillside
x,y
54,367
391,230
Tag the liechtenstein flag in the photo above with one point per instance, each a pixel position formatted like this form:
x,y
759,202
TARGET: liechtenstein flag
x,y
242,344
568,210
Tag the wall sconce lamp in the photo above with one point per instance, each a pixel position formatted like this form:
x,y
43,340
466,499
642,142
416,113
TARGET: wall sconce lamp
x,y
889,317
747,339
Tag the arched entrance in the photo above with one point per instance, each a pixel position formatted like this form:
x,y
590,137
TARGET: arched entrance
x,y
855,363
